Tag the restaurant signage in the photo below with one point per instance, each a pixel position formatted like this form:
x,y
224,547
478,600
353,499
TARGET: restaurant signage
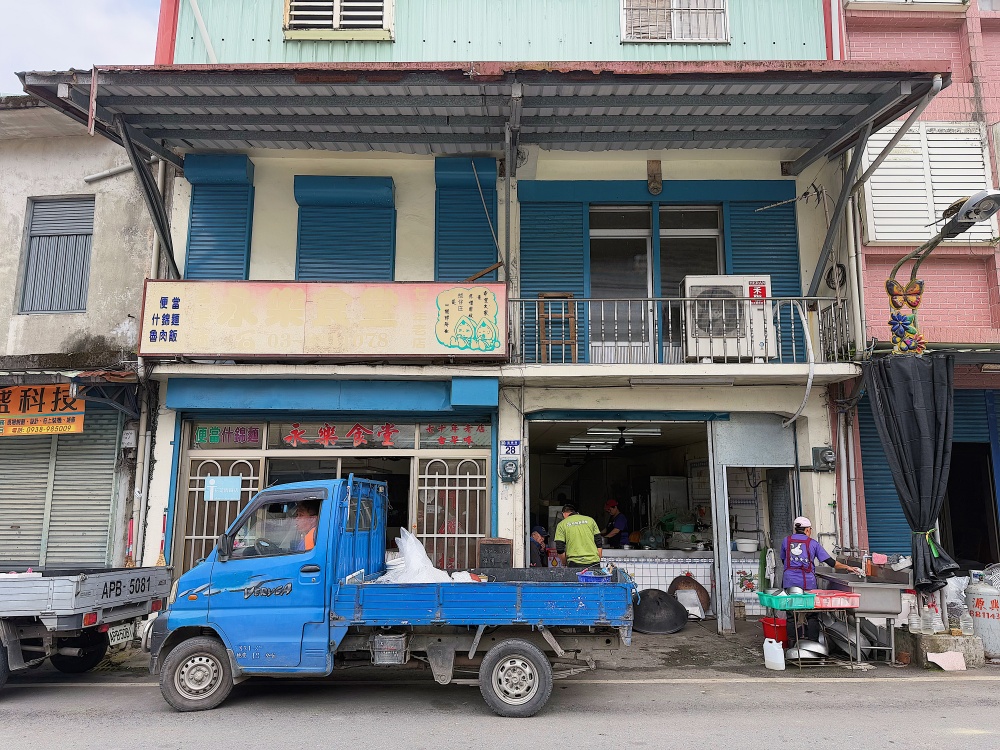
x,y
251,319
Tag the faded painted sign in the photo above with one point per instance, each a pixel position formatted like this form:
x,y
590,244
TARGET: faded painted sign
x,y
250,319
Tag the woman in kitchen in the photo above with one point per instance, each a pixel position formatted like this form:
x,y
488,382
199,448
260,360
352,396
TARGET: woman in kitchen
x,y
799,553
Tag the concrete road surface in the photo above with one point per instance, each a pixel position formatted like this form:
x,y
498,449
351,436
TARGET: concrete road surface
x,y
780,711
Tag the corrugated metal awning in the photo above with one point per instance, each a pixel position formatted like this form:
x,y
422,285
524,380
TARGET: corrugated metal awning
x,y
815,107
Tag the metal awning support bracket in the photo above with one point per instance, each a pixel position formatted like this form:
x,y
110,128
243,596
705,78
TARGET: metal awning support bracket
x,y
903,130
837,219
866,118
150,193
122,398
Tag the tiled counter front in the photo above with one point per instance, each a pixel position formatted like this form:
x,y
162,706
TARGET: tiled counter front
x,y
657,572
745,581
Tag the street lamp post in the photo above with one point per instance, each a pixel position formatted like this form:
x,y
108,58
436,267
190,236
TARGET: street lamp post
x,y
962,215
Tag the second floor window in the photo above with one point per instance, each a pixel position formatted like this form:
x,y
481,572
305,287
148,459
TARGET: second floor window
x,y
57,267
674,21
342,15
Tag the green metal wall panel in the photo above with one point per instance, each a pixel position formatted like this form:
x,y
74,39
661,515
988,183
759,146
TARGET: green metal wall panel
x,y
500,30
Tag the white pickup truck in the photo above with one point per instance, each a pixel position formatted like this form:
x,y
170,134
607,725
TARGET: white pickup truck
x,y
73,616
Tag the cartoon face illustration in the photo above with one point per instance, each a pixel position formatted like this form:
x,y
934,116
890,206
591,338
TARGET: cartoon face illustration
x,y
465,329
486,334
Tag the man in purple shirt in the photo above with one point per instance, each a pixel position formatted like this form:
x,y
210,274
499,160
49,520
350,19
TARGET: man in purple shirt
x,y
799,553
616,532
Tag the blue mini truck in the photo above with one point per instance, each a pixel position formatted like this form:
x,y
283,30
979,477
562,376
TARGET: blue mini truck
x,y
290,591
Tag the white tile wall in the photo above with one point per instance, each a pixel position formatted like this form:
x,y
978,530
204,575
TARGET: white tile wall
x,y
657,573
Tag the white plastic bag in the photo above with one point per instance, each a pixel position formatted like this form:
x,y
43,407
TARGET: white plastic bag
x,y
417,567
954,589
462,576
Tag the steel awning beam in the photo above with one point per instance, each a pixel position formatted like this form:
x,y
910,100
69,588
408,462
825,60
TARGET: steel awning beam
x,y
847,132
80,100
200,121
298,136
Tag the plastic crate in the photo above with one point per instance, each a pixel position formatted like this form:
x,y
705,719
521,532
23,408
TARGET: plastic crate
x,y
836,599
586,577
787,601
389,649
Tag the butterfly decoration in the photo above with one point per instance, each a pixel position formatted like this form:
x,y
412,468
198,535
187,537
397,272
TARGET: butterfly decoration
x,y
910,296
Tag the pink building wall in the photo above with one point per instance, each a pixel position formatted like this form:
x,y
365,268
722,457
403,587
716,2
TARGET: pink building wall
x,y
962,299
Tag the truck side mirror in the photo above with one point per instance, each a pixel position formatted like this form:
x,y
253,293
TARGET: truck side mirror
x,y
225,547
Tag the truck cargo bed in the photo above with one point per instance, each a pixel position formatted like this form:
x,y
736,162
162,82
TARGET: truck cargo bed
x,y
69,592
539,596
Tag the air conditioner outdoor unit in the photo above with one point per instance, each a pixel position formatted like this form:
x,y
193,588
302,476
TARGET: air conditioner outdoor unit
x,y
729,319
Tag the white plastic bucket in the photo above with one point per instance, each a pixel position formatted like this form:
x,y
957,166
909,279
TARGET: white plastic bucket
x,y
774,655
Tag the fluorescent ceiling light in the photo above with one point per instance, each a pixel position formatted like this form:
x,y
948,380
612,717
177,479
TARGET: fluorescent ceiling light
x,y
989,368
603,448
629,431
682,380
597,441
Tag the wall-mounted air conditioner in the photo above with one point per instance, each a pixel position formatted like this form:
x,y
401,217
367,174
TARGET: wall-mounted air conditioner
x,y
729,319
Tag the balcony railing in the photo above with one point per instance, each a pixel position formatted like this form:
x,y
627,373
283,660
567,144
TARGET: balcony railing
x,y
560,329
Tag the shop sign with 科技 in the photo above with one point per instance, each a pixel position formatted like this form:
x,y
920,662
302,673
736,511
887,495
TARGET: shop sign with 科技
x,y
39,410
258,319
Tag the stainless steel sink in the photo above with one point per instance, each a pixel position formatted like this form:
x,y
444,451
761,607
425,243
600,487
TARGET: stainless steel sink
x,y
878,596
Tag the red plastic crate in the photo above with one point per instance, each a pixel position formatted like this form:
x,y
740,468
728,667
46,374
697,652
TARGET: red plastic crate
x,y
836,599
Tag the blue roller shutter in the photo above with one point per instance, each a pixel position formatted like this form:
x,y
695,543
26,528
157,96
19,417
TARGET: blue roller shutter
x,y
221,216
767,243
464,228
347,229
888,531
553,259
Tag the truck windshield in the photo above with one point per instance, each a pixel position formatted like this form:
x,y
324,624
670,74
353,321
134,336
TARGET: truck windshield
x,y
278,528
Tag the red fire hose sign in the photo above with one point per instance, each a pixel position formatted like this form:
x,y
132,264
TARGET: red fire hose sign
x,y
757,292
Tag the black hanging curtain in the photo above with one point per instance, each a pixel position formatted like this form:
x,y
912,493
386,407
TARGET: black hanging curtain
x,y
913,405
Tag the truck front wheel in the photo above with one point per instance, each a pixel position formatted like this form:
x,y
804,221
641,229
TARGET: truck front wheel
x,y
515,679
196,675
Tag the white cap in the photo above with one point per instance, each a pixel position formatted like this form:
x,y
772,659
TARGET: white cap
x,y
802,521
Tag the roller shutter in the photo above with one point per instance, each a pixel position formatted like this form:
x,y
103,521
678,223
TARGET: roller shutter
x,y
24,478
347,228
465,218
553,259
83,493
72,475
766,242
888,531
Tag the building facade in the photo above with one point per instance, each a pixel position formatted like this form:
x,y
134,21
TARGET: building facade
x,y
74,249
949,153
502,286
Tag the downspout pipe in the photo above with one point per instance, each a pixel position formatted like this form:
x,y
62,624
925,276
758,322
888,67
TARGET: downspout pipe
x,y
140,508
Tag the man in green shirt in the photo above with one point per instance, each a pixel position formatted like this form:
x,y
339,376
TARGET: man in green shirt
x,y
578,539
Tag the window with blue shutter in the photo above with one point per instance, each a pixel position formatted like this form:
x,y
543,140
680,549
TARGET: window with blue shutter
x,y
766,242
465,218
57,267
347,228
553,259
221,216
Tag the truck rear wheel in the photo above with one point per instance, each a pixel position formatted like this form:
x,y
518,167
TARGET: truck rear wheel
x,y
515,679
93,648
196,675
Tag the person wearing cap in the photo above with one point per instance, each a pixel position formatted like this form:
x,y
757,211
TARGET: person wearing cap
x,y
538,556
799,551
578,539
616,532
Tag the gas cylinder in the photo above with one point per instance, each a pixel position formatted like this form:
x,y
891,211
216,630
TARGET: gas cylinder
x,y
984,606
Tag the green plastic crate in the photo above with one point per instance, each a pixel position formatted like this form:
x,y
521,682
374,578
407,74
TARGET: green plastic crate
x,y
788,601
